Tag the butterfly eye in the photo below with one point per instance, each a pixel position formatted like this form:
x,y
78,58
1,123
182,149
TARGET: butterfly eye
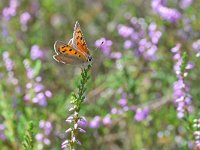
x,y
89,58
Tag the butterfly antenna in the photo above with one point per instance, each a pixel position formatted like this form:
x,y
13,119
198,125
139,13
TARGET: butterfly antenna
x,y
99,46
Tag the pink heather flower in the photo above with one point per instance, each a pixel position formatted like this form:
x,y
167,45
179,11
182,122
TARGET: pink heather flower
x,y
73,139
48,93
78,142
114,111
68,130
47,141
196,47
24,18
7,61
46,126
39,137
11,10
125,31
2,134
36,52
141,114
143,41
83,123
169,14
95,123
75,126
196,133
123,101
185,3
128,44
106,48
154,34
107,120
181,95
81,130
42,137
115,55
38,87
64,144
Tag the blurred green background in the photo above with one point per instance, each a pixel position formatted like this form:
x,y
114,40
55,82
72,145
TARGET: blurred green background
x,y
129,100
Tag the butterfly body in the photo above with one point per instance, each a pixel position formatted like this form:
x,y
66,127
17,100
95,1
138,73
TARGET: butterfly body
x,y
75,52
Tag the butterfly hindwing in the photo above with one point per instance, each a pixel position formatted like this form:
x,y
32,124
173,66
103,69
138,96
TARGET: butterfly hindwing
x,y
67,59
78,39
64,50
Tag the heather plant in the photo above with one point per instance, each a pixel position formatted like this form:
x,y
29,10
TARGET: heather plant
x,y
75,119
29,137
143,91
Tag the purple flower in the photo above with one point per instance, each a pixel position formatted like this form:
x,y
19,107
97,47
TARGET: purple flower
x,y
2,134
24,18
40,99
107,120
128,44
185,3
154,34
182,98
115,55
141,114
106,48
48,93
9,67
38,87
36,52
95,122
125,31
143,41
169,14
114,111
196,45
83,123
10,11
7,61
196,133
123,101
39,137
42,137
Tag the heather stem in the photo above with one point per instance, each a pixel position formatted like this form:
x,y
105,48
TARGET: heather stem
x,y
77,100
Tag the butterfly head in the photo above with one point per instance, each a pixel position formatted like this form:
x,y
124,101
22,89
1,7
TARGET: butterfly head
x,y
89,58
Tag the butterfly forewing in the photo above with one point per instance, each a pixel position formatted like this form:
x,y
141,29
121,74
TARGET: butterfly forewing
x,y
78,40
67,59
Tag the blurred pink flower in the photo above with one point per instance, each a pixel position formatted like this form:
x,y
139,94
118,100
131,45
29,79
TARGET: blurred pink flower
x,y
36,52
24,18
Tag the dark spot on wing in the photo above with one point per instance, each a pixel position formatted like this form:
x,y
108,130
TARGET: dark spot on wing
x,y
75,53
79,55
64,50
81,38
63,46
77,43
70,50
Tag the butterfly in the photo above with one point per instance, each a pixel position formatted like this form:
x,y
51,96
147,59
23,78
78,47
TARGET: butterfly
x,y
75,52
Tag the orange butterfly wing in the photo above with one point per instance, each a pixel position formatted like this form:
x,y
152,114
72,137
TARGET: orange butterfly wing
x,y
78,40
67,54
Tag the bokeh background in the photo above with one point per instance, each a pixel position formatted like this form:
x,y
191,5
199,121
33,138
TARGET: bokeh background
x,y
130,99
